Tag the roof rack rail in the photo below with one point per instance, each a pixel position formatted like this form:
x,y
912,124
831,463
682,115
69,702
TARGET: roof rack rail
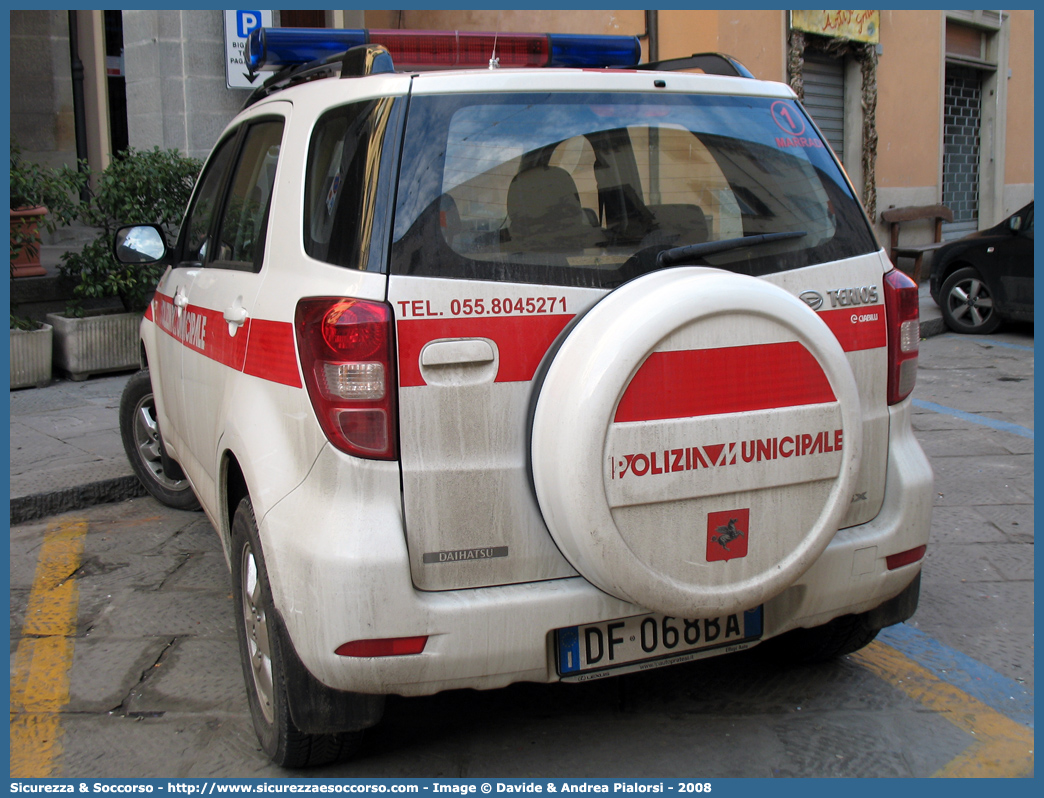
x,y
358,61
710,63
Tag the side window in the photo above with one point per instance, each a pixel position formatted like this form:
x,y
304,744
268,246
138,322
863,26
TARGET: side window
x,y
244,221
199,220
342,195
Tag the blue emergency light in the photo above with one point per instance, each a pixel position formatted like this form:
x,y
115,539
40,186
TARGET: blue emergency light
x,y
275,48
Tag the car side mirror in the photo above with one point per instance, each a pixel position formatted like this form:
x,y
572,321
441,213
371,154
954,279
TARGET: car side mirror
x,y
1015,224
139,245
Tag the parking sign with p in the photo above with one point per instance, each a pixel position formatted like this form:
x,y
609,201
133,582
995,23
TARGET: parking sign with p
x,y
238,25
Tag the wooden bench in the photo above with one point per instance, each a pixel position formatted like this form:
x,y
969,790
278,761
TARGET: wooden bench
x,y
894,217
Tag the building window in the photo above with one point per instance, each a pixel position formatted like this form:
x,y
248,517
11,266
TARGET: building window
x,y
961,124
974,100
117,82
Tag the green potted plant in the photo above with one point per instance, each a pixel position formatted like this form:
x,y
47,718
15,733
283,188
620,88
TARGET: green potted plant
x,y
138,187
41,199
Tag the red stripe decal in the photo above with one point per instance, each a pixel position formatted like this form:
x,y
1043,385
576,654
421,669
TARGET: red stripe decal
x,y
857,328
521,340
202,330
260,348
706,382
272,354
225,349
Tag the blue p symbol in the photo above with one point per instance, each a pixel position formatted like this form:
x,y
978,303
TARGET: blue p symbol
x,y
246,21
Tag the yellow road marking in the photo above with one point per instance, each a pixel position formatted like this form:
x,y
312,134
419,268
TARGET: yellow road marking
x,y
40,673
1003,748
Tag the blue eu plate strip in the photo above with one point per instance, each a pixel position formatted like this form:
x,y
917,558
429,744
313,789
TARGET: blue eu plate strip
x,y
569,650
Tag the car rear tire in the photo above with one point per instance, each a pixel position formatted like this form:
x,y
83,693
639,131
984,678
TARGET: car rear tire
x,y
139,431
265,662
967,304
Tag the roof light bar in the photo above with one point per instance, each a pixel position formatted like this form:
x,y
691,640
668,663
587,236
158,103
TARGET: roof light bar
x,y
275,48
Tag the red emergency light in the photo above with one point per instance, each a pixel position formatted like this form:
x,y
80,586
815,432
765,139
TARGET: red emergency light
x,y
276,48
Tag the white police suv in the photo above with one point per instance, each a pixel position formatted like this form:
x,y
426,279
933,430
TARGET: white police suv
x,y
512,374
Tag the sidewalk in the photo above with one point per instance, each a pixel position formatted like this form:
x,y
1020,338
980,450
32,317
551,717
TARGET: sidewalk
x,y
66,452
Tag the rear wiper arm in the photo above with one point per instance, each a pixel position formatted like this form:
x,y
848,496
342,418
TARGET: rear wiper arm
x,y
693,252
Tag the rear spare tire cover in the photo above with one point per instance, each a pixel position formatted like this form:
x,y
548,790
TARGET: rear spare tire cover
x,y
695,441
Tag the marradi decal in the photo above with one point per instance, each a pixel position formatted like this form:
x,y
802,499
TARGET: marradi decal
x,y
722,455
787,118
784,142
790,122
261,347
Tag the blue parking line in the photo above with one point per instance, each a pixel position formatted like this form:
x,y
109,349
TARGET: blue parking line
x,y
985,421
1006,345
1005,695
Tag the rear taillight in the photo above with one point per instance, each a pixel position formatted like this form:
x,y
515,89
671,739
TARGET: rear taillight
x,y
346,357
904,334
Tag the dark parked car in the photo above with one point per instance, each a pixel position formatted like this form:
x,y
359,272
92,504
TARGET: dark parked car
x,y
987,277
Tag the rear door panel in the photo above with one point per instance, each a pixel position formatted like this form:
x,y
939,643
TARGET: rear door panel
x,y
468,355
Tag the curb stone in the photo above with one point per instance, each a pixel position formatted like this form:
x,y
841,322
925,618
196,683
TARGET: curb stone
x,y
42,505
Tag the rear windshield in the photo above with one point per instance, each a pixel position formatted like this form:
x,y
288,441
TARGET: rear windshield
x,y
587,189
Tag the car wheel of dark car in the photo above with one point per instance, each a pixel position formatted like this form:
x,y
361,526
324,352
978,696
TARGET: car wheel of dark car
x,y
967,304
139,430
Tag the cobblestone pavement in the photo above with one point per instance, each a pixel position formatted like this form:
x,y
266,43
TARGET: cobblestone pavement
x,y
147,681
974,418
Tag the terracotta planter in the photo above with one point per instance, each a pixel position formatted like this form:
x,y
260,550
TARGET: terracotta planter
x,y
31,357
26,222
95,344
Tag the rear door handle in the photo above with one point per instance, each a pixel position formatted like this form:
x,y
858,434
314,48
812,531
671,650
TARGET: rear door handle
x,y
456,353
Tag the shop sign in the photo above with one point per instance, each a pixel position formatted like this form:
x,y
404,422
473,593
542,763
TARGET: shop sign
x,y
857,26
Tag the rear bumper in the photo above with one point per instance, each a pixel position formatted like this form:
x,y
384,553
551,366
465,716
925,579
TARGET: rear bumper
x,y
339,568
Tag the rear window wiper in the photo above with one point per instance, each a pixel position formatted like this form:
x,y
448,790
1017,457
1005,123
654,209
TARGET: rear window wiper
x,y
693,252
